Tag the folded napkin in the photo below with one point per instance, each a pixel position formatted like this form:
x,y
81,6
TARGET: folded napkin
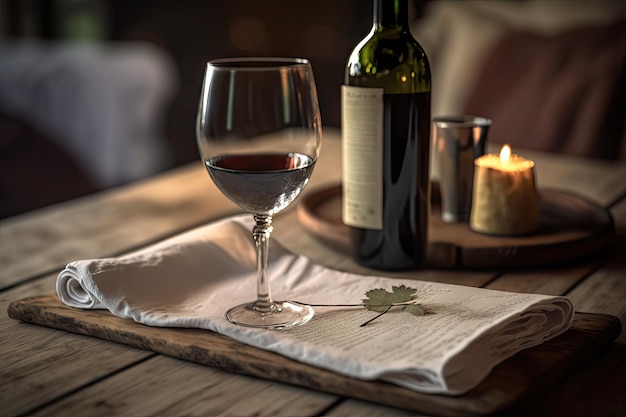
x,y
192,279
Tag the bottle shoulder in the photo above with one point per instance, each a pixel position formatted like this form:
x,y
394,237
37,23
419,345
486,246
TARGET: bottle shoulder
x,y
382,43
393,60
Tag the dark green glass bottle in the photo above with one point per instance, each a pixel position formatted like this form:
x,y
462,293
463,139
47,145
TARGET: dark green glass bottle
x,y
386,143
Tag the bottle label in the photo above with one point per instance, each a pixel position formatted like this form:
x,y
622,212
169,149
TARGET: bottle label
x,y
362,149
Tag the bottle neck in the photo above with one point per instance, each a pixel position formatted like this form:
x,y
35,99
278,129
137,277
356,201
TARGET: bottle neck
x,y
391,14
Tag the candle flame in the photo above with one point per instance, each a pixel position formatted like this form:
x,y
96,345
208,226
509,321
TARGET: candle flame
x,y
505,154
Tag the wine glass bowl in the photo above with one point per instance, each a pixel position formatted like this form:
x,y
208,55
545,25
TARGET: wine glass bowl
x,y
259,136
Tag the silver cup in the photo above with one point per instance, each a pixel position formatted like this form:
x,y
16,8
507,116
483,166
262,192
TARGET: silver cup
x,y
457,141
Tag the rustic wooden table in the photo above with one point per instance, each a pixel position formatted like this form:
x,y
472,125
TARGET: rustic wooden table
x,y
44,371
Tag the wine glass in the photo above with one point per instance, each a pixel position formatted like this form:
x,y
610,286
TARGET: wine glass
x,y
259,134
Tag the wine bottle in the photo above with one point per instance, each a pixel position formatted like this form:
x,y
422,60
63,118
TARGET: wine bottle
x,y
386,143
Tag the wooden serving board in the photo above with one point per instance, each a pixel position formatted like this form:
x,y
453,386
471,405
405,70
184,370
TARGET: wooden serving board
x,y
571,228
512,386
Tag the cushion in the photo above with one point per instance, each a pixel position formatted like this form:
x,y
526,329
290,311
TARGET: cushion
x,y
561,93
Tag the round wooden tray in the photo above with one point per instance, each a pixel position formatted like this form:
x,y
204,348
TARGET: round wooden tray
x,y
571,228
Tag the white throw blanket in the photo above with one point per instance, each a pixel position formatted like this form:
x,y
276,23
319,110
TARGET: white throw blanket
x,y
192,279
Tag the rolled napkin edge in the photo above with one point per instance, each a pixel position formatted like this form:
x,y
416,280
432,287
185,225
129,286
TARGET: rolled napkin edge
x,y
71,290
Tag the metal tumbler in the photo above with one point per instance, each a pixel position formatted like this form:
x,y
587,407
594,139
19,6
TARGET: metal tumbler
x,y
457,141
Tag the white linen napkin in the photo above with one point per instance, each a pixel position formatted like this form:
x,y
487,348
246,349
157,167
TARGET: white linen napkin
x,y
192,279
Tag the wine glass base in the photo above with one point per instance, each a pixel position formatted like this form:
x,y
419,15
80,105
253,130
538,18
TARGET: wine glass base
x,y
285,315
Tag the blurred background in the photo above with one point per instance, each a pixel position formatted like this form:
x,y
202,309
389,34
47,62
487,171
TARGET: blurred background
x,y
99,93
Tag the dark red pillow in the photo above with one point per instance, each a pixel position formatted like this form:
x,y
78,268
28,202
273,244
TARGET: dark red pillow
x,y
565,93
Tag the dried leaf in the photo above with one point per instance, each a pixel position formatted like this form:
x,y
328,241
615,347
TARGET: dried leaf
x,y
415,309
380,299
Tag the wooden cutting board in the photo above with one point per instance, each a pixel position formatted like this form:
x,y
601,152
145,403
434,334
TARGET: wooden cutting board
x,y
571,228
512,386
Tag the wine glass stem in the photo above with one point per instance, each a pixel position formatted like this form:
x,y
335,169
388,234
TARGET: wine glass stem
x,y
261,233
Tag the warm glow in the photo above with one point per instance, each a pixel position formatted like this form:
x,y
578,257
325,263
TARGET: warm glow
x,y
505,154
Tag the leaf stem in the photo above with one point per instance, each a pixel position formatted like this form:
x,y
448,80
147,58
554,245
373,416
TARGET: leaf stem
x,y
377,316
387,307
354,305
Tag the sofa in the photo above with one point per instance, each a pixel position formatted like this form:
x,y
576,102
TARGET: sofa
x,y
82,118
550,74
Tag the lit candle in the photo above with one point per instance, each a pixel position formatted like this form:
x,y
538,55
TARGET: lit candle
x,y
505,200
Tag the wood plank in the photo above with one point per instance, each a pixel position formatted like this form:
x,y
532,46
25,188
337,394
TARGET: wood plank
x,y
557,280
571,227
53,365
595,286
106,223
92,226
514,384
165,386
605,290
351,408
40,364
294,235
597,389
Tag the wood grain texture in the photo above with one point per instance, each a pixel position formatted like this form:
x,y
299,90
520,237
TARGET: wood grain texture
x,y
88,228
109,222
571,228
166,386
295,236
44,371
595,389
73,373
39,364
511,387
